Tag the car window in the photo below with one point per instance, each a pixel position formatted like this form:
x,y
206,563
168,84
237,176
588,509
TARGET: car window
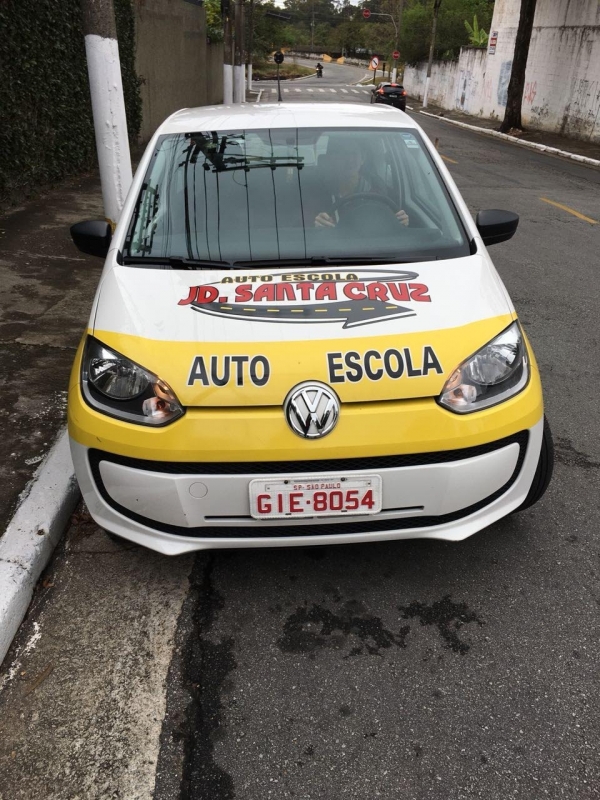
x,y
280,194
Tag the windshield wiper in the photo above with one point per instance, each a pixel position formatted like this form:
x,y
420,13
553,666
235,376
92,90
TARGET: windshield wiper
x,y
340,261
176,262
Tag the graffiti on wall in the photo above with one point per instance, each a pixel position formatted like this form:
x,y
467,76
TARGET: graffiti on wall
x,y
530,92
503,80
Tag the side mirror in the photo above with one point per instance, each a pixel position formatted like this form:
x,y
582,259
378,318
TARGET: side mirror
x,y
92,237
496,226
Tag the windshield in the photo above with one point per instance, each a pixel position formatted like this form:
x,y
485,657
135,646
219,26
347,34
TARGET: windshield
x,y
293,194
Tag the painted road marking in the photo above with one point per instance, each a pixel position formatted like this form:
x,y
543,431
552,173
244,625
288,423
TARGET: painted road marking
x,y
345,91
322,90
310,90
570,211
297,90
333,90
449,160
355,91
286,90
273,91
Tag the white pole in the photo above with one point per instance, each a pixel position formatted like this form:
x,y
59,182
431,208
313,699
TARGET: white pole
x,y
239,90
394,74
108,105
427,79
228,84
249,75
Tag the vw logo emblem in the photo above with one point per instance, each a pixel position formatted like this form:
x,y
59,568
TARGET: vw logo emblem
x,y
311,410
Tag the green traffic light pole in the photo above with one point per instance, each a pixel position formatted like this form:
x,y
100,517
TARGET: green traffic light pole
x,y
278,61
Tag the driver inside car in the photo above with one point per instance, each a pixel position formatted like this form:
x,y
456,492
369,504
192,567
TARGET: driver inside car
x,y
347,176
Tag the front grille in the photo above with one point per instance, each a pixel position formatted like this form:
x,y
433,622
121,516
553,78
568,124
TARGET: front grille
x,y
312,466
371,525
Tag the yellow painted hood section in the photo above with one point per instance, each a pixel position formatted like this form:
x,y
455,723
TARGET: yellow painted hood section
x,y
399,366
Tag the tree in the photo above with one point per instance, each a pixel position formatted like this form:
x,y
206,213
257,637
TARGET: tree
x,y
477,36
514,101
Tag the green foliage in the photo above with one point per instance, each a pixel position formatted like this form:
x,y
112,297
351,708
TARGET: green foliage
x,y
271,33
46,127
214,24
451,31
477,36
125,22
338,26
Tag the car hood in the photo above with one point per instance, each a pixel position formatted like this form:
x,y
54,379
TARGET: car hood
x,y
247,337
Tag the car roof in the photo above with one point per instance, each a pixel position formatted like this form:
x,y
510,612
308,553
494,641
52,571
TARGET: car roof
x,y
285,115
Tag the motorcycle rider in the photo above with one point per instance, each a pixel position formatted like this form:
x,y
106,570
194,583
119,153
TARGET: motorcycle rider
x,y
319,70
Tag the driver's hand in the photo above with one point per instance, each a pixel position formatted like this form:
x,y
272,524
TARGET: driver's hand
x,y
323,220
402,217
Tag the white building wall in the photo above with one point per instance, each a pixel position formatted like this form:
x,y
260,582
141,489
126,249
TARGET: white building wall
x,y
562,81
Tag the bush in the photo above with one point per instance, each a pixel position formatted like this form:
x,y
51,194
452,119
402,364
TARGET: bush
x,y
46,126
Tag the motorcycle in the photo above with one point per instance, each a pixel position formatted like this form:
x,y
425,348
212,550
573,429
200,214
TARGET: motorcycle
x,y
319,71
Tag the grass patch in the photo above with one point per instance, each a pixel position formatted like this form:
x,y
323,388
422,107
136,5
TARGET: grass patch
x,y
267,71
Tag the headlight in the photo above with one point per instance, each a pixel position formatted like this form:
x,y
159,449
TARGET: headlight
x,y
121,388
493,374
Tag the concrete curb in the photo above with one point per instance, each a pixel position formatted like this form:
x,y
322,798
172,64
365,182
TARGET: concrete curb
x,y
515,140
32,534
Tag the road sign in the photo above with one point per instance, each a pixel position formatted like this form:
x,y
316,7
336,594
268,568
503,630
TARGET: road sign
x,y
366,13
374,63
279,57
396,55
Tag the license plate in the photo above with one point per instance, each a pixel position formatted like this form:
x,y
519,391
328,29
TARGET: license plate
x,y
299,498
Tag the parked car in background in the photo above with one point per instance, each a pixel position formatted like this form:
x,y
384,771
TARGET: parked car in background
x,y
392,94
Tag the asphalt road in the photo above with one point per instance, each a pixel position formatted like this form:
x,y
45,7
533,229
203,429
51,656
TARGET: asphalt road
x,y
413,670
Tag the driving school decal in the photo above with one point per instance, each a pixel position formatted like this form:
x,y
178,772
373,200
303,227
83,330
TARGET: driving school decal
x,y
361,298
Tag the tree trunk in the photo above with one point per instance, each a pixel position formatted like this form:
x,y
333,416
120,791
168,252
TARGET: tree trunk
x,y
514,101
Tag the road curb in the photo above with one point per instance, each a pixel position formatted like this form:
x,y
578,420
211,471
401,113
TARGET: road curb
x,y
515,140
33,533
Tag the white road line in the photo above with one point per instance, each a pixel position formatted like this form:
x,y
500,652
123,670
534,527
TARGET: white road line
x,y
345,91
322,90
297,90
355,91
310,90
333,90
273,91
286,90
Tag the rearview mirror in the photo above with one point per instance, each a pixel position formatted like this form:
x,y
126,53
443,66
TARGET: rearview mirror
x,y
496,226
92,237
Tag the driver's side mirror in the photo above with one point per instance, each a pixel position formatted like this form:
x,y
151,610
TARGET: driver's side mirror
x,y
496,226
92,237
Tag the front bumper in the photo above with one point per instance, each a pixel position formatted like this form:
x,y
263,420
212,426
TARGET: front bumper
x,y
175,507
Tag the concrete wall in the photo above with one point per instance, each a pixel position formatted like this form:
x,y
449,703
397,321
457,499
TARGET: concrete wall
x,y
177,67
562,82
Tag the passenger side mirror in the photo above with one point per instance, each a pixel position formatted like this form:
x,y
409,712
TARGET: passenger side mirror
x,y
496,226
92,237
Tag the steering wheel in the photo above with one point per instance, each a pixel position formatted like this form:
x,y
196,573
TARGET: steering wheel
x,y
350,199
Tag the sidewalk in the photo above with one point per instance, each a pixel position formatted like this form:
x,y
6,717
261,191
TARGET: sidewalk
x,y
46,290
576,146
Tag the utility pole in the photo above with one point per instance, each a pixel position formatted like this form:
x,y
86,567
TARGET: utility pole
x,y
239,90
436,10
227,52
250,47
398,29
108,104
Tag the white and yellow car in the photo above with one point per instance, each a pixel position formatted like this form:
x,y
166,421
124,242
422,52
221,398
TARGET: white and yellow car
x,y
299,338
